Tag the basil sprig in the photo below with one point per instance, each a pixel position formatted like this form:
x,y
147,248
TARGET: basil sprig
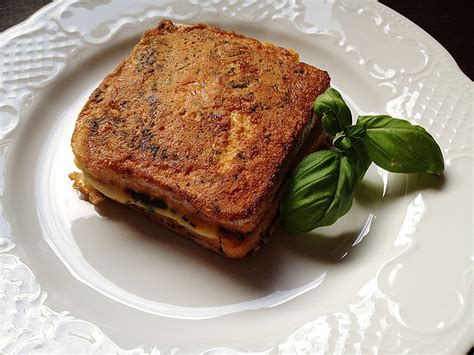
x,y
322,187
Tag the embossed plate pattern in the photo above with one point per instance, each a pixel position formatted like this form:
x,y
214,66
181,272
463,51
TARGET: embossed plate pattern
x,y
394,275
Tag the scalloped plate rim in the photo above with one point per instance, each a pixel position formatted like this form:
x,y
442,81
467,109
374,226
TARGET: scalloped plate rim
x,y
43,12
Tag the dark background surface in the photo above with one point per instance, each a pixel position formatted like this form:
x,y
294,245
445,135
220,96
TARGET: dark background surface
x,y
449,22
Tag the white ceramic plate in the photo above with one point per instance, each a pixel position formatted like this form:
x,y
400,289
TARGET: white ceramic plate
x,y
394,275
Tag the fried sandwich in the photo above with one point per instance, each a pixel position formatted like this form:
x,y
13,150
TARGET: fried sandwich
x,y
198,128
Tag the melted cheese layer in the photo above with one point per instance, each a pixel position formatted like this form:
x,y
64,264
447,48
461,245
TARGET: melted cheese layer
x,y
117,194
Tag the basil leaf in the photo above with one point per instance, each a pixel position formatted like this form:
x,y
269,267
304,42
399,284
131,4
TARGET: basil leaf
x,y
333,111
320,191
398,146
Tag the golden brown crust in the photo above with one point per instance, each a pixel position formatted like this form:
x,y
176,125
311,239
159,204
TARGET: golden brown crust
x,y
85,188
210,117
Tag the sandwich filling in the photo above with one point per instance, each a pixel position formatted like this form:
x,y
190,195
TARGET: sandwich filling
x,y
91,186
95,191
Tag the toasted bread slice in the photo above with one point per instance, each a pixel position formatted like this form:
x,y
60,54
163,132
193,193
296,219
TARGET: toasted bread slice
x,y
199,126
